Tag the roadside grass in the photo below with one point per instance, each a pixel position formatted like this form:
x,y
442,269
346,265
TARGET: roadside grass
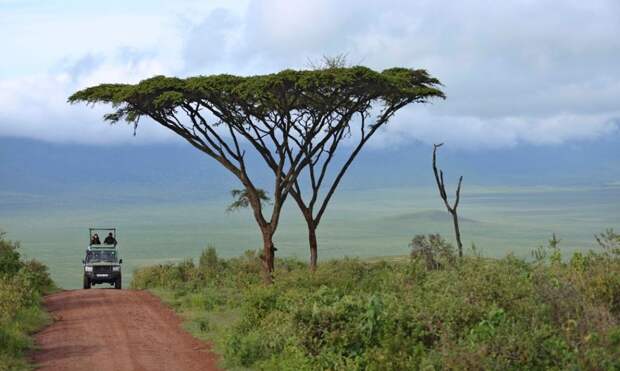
x,y
16,339
204,324
22,286
427,311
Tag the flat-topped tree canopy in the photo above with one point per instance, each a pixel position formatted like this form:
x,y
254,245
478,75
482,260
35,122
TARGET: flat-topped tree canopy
x,y
290,118
312,90
301,104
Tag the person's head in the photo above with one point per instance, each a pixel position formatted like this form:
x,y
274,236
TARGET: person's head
x,y
110,234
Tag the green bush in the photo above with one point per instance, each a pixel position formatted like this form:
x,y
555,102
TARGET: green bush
x,y
9,257
433,250
208,262
22,284
434,311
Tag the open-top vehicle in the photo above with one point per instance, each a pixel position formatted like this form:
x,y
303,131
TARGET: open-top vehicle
x,y
102,263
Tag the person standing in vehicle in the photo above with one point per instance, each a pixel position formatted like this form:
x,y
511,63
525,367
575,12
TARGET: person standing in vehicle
x,y
94,240
110,240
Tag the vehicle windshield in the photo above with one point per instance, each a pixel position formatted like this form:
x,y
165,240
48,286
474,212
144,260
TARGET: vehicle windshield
x,y
101,256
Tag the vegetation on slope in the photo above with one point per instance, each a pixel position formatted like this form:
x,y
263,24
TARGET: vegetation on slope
x,y
431,311
22,285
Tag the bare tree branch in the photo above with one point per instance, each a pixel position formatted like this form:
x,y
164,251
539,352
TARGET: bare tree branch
x,y
444,196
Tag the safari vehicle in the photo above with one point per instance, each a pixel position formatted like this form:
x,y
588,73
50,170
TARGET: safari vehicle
x,y
102,263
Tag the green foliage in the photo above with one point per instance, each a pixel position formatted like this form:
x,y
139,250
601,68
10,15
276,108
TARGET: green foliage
x,y
22,284
239,272
208,262
242,200
9,257
474,313
288,90
433,250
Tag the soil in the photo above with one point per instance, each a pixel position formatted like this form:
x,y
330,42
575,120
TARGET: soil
x,y
107,329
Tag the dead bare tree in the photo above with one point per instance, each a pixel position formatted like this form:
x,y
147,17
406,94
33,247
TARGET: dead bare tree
x,y
444,196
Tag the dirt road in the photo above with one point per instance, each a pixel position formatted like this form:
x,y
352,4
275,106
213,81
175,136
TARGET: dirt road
x,y
104,329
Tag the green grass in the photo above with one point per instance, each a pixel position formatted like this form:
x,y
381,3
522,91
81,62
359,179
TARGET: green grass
x,y
16,339
208,325
560,311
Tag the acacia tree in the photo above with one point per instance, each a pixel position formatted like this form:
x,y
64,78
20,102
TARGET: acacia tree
x,y
372,112
286,119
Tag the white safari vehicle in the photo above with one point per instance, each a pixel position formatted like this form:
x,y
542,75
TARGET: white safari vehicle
x,y
102,263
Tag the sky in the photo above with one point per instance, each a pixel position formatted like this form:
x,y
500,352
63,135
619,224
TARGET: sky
x,y
516,73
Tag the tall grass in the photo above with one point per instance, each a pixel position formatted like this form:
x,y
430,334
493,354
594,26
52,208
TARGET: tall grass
x,y
22,284
431,311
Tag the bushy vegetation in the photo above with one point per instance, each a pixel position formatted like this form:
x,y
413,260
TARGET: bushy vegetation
x,y
429,311
22,284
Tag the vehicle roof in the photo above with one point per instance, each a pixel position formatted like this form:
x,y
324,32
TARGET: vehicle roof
x,y
102,248
102,229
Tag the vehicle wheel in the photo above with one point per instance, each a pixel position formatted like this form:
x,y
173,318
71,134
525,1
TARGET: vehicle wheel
x,y
86,283
117,283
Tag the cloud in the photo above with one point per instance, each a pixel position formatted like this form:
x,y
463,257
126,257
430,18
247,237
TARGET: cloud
x,y
472,133
209,45
538,72
36,106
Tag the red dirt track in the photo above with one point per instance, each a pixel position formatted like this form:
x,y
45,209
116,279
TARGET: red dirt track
x,y
106,329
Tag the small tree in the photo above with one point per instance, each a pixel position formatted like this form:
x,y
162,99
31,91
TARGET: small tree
x,y
286,119
433,250
441,186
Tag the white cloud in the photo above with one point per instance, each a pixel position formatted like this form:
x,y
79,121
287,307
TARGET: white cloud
x,y
537,72
471,132
36,106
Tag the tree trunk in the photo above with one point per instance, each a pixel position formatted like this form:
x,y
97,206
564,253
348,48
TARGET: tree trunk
x,y
268,255
314,252
457,232
313,246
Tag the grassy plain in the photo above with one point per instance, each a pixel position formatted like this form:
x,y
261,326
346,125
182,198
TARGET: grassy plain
x,y
162,226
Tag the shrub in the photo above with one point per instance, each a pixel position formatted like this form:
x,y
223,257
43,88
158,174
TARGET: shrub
x,y
208,262
433,250
22,285
9,257
431,312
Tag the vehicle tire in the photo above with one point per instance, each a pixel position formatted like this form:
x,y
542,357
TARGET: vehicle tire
x,y
117,283
86,282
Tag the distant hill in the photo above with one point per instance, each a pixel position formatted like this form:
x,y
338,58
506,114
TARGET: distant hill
x,y
177,170
29,166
